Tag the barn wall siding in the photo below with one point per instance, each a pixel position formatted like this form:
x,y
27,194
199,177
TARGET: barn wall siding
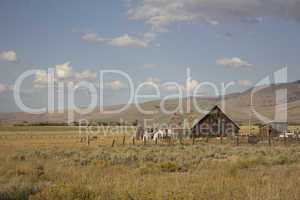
x,y
215,123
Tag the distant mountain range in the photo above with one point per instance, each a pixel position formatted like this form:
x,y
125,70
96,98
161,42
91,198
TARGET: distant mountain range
x,y
237,106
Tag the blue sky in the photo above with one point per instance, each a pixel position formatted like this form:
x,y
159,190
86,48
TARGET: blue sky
x,y
220,41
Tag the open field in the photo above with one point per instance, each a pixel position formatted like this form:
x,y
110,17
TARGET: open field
x,y
56,165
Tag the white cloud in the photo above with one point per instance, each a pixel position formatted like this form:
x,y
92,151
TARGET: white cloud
x,y
152,81
85,75
233,62
8,56
41,79
64,70
213,22
4,88
127,41
149,36
150,66
160,14
64,73
115,84
121,41
245,83
93,37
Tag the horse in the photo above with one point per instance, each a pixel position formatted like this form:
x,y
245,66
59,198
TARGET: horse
x,y
147,136
159,134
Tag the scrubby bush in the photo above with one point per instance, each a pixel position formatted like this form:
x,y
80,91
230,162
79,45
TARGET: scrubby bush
x,y
169,167
64,192
202,171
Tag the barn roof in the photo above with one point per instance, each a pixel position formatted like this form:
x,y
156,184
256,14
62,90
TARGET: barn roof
x,y
213,110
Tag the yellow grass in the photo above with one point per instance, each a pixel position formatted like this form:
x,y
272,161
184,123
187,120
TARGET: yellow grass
x,y
57,166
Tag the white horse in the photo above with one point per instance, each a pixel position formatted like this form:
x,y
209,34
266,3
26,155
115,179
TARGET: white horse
x,y
147,136
159,134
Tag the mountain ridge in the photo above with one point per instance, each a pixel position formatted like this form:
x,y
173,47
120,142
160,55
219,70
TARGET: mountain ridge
x,y
237,106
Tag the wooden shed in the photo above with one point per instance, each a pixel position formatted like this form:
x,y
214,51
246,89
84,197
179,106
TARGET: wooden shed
x,y
274,128
215,123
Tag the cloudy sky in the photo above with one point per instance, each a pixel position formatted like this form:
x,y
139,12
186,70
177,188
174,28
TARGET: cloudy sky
x,y
153,41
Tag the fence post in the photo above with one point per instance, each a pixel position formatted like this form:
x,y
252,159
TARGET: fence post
x,y
88,140
284,138
133,142
113,143
193,139
156,141
269,138
124,140
237,140
221,137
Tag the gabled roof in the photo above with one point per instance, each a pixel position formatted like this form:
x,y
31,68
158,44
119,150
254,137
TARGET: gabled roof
x,y
215,108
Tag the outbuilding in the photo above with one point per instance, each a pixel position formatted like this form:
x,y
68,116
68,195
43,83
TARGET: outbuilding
x,y
215,123
274,128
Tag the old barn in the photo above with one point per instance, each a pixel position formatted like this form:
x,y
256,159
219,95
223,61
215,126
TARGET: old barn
x,y
215,123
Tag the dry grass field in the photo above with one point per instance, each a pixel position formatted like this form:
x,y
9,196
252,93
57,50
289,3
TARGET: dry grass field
x,y
50,163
